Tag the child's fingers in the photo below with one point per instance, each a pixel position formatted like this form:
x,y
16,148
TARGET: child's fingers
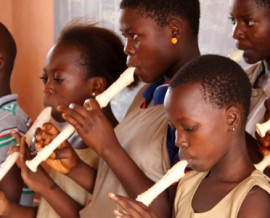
x,y
48,139
13,149
22,153
24,149
37,135
91,104
64,153
123,203
50,129
16,135
130,207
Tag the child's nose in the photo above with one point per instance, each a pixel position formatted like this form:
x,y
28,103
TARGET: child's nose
x,y
238,32
181,140
48,89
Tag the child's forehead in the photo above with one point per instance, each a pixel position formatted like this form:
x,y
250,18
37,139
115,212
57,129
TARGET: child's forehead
x,y
184,93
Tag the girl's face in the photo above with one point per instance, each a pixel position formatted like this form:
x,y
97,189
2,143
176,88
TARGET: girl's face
x,y
147,45
64,79
251,29
200,129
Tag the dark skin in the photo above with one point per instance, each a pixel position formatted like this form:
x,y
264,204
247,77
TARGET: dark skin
x,y
264,142
62,75
11,185
226,160
152,59
251,30
148,45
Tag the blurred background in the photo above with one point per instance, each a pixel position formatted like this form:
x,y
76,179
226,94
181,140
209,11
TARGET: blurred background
x,y
36,24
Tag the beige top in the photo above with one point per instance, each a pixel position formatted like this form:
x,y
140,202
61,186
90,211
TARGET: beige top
x,y
258,97
68,185
228,207
143,134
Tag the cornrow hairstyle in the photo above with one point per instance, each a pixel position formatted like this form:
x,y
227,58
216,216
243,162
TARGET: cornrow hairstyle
x,y
162,10
7,47
101,50
223,81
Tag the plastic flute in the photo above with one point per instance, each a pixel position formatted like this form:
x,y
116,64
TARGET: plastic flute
x,y
236,55
126,78
43,117
173,175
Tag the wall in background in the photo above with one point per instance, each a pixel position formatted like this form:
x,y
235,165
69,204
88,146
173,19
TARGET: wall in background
x,y
215,28
36,24
31,22
214,37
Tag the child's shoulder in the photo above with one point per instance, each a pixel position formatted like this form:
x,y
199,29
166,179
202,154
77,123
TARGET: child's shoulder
x,y
258,178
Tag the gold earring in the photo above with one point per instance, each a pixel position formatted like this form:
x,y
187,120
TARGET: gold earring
x,y
174,40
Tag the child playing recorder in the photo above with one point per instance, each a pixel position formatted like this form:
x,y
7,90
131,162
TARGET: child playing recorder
x,y
208,103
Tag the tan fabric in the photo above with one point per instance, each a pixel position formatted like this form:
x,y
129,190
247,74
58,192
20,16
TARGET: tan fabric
x,y
143,134
258,97
69,186
228,207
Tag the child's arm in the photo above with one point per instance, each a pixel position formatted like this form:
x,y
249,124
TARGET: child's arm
x,y
256,204
97,132
12,184
10,209
41,182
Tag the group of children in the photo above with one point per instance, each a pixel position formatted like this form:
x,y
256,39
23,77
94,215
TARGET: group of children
x,y
201,104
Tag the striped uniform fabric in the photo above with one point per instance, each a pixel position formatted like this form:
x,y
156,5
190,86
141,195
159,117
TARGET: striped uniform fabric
x,y
12,117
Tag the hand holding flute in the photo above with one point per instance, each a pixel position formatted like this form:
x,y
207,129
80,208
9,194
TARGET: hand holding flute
x,y
140,205
264,141
263,136
80,117
44,116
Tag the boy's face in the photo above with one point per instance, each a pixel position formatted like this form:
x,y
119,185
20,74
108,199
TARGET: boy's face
x,y
201,130
251,29
64,79
147,45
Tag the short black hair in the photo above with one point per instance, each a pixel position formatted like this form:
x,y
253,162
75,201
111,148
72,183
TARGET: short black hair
x,y
263,3
8,46
223,81
162,10
101,49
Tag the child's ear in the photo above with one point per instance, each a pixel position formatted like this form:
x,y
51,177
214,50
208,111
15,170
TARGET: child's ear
x,y
176,28
232,117
97,85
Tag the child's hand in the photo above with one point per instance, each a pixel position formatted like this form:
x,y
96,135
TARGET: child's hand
x,y
264,142
4,205
16,148
36,180
130,207
267,109
64,158
92,125
44,135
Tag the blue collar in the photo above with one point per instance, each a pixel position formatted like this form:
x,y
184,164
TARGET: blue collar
x,y
156,91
